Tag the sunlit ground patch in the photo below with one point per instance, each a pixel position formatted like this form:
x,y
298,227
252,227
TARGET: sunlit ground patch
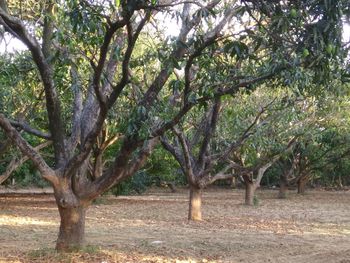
x,y
330,230
6,220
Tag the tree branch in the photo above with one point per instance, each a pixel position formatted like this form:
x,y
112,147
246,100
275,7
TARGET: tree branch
x,y
28,150
219,93
188,159
132,38
17,28
24,126
209,132
15,163
222,175
174,151
91,137
48,30
138,161
246,134
261,168
77,110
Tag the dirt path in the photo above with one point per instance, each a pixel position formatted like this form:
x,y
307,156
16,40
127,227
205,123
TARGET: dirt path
x,y
153,228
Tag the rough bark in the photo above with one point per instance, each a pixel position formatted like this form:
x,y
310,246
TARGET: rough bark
x,y
72,228
72,210
195,204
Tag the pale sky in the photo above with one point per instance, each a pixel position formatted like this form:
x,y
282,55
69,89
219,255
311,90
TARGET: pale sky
x,y
11,46
346,33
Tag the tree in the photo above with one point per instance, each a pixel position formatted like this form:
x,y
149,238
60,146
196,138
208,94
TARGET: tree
x,y
279,128
84,57
324,144
199,159
251,176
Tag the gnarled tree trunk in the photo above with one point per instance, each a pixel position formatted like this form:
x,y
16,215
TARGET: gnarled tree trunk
x,y
195,204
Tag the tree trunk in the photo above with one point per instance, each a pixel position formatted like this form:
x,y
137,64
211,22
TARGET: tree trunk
x,y
283,188
340,183
72,229
301,186
195,204
233,183
249,193
72,210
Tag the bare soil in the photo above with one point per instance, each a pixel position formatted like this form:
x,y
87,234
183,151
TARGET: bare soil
x,y
153,228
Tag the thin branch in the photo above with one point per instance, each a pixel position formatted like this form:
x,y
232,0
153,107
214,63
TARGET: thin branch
x,y
221,175
246,134
160,6
178,53
221,92
209,39
261,168
132,38
174,151
98,69
140,159
25,127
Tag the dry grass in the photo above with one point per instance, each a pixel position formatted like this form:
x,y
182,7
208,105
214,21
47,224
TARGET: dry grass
x,y
153,228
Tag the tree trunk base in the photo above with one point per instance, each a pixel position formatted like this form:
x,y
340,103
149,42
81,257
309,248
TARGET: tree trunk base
x,y
195,204
282,194
301,187
71,235
249,194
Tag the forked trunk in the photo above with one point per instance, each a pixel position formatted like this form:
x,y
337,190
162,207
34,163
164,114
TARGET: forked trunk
x,y
301,186
249,193
72,228
195,204
282,194
72,210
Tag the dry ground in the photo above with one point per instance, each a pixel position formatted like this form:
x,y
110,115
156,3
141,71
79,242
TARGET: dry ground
x,y
153,228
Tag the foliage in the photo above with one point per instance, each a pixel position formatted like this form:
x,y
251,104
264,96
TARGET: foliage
x,y
103,81
138,183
